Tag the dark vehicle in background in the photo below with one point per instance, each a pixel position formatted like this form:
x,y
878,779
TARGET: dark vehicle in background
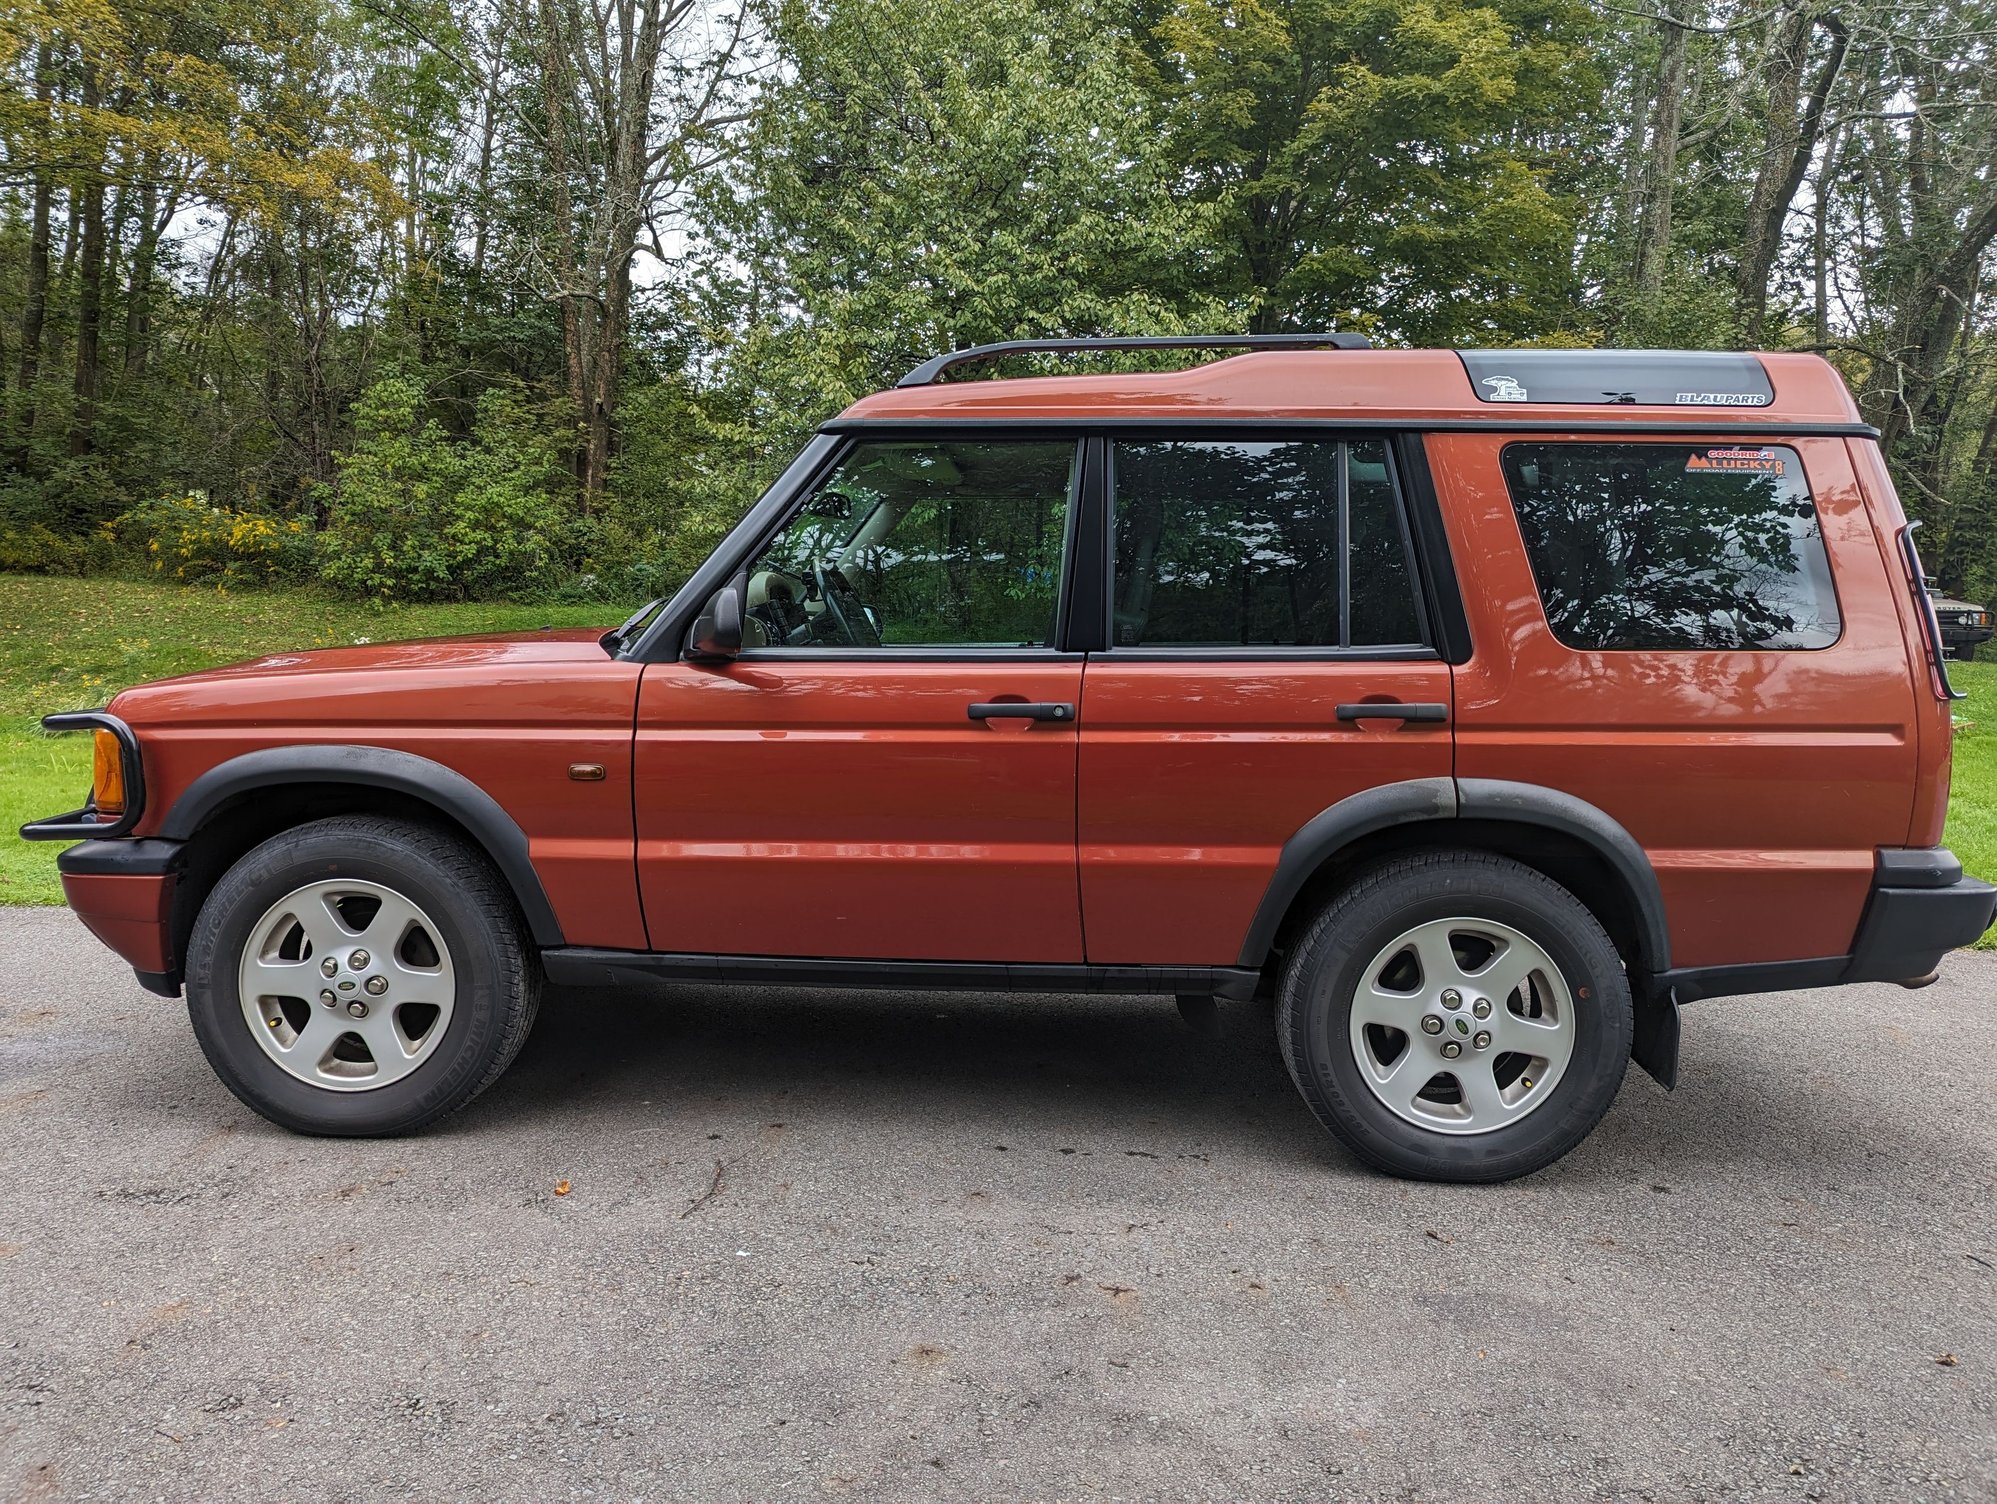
x,y
1965,628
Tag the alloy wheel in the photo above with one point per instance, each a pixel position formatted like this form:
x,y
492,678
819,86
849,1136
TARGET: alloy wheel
x,y
346,984
1462,1026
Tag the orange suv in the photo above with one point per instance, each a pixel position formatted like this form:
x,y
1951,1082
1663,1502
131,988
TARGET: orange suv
x,y
1478,708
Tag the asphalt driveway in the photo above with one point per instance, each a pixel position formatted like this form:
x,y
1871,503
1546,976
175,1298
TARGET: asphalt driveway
x,y
919,1246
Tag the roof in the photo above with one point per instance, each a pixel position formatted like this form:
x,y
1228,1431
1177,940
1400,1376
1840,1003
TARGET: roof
x,y
1535,389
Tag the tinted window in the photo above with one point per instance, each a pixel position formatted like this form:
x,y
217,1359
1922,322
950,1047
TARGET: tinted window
x,y
928,544
1241,544
1673,545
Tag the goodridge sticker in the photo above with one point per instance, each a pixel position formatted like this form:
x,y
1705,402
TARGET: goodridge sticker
x,y
1761,461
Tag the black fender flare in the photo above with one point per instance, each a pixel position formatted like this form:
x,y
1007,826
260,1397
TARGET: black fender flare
x,y
1655,1047
1533,804
448,791
1321,836
1424,799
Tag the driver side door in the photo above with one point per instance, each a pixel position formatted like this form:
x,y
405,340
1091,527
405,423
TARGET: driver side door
x,y
887,770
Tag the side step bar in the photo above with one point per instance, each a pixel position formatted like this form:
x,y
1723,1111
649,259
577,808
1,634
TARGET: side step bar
x,y
583,966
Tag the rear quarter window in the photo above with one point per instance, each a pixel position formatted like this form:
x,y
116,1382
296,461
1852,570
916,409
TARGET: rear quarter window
x,y
1674,546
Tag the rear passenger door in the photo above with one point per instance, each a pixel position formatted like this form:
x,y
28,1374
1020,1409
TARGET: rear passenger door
x,y
1261,599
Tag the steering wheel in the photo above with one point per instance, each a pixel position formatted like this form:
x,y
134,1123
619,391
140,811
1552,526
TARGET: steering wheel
x,y
843,605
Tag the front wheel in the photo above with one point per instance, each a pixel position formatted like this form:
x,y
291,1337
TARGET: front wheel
x,y
1456,1016
360,976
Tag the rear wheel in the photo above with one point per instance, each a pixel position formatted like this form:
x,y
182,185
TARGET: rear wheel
x,y
1456,1016
360,976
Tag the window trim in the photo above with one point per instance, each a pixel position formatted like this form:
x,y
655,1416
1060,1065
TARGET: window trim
x,y
797,501
1344,437
1598,442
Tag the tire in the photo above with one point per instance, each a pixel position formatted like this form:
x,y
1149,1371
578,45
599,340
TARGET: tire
x,y
1504,1121
458,982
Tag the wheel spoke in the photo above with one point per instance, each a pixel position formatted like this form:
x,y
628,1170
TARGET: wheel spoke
x,y
1505,972
272,977
1386,1009
310,1043
1439,968
389,924
384,1040
1485,1103
1404,1079
318,914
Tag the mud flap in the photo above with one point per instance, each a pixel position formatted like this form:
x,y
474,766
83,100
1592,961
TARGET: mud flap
x,y
1655,1042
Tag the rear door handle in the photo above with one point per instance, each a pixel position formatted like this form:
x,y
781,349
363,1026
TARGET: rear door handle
x,y
1392,710
1022,710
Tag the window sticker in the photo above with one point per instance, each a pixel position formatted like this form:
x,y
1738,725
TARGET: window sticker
x,y
1505,389
1756,461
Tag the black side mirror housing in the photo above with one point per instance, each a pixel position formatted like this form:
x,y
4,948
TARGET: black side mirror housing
x,y
717,631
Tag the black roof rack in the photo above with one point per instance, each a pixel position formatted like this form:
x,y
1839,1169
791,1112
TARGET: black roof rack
x,y
933,370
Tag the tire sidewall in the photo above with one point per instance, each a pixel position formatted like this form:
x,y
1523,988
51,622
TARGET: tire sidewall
x,y
1330,1074
214,997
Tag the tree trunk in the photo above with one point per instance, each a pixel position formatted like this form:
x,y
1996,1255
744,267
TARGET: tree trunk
x,y
1788,143
35,300
139,292
1653,242
90,296
555,93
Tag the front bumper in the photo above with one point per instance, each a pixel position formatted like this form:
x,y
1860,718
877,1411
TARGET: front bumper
x,y
123,891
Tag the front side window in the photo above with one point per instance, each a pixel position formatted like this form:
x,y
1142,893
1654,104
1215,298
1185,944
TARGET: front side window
x,y
950,544
1236,543
1673,545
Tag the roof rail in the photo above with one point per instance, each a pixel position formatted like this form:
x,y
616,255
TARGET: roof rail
x,y
933,370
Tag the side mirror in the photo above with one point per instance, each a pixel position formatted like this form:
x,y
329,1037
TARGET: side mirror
x,y
717,631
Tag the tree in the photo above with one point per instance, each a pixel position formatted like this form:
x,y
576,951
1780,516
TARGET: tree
x,y
1374,164
636,96
929,175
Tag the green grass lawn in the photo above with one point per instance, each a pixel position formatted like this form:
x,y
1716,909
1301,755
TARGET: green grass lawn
x,y
72,644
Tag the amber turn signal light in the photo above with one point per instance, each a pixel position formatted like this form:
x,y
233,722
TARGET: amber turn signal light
x,y
107,774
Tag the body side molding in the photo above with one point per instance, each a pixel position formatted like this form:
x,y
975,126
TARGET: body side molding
x,y
442,788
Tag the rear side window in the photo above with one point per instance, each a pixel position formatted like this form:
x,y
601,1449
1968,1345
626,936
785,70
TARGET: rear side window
x,y
1674,546
1242,543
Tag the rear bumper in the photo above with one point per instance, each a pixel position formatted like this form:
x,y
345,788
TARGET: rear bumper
x,y
123,892
1921,907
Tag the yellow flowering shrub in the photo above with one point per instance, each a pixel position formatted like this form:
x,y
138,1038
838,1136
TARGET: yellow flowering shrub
x,y
187,537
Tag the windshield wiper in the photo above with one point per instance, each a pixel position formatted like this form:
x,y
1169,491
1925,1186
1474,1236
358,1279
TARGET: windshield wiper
x,y
613,640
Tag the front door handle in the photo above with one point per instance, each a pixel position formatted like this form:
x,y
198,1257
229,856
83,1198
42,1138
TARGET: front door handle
x,y
1392,710
1022,710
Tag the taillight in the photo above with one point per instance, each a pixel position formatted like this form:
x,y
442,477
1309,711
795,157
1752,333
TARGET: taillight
x,y
107,774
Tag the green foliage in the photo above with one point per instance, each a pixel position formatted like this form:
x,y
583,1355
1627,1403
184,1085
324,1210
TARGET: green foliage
x,y
936,173
419,515
38,549
689,468
1371,163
